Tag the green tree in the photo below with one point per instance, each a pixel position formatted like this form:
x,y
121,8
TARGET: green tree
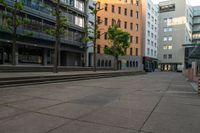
x,y
93,29
119,41
61,27
13,21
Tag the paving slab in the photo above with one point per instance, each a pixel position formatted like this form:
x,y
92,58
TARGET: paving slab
x,y
69,110
118,117
7,98
31,123
169,123
33,104
84,127
6,112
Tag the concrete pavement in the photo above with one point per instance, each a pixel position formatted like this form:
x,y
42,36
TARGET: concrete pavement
x,y
160,102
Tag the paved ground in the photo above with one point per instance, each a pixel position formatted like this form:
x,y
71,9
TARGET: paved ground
x,y
28,74
153,103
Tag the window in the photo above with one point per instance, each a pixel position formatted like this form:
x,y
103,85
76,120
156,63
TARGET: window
x,y
151,43
131,51
137,14
113,22
131,39
148,42
119,10
137,2
151,35
131,26
79,21
105,6
125,11
125,25
167,8
170,56
165,39
149,7
105,21
164,47
148,24
148,33
98,48
165,20
154,53
98,20
136,51
131,2
98,34
167,29
131,13
113,8
136,40
164,56
79,5
149,15
98,5
148,51
170,47
105,35
152,27
151,52
170,38
137,27
119,23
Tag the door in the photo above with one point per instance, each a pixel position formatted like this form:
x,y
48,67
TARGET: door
x,y
1,56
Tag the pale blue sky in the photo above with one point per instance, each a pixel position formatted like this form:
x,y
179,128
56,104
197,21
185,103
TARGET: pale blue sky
x,y
192,2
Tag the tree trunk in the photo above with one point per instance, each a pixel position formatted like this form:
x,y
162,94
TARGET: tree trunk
x,y
57,43
14,37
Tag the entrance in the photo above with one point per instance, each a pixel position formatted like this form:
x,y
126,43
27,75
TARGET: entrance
x,y
1,56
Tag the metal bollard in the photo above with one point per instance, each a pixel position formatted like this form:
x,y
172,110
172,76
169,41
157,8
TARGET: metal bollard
x,y
199,86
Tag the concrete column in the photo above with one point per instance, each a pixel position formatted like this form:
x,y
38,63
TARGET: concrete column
x,y
45,56
17,55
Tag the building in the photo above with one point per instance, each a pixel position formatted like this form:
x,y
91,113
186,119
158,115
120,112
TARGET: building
x,y
127,15
38,48
150,34
90,23
175,30
192,52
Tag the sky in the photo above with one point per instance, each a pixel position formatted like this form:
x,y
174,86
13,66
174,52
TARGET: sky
x,y
192,2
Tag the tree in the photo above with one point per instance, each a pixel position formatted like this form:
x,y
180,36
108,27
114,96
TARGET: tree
x,y
119,41
61,26
93,29
13,20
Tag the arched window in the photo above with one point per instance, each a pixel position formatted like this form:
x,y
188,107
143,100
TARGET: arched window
x,y
98,63
127,63
136,63
109,63
131,63
106,63
102,63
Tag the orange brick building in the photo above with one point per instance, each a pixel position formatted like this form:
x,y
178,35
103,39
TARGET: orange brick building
x,y
127,15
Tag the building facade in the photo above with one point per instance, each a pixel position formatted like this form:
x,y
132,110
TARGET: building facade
x,y
127,15
38,48
150,34
175,30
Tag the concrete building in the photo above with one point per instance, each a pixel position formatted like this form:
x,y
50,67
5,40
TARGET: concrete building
x,y
196,25
90,24
175,29
127,15
150,34
39,47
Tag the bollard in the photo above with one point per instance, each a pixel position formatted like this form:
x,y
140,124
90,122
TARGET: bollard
x,y
199,86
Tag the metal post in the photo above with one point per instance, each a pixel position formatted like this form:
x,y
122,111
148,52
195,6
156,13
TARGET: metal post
x,y
95,28
199,86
